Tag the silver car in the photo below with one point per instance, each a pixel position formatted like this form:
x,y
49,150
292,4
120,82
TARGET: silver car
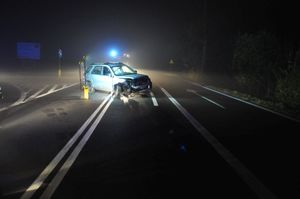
x,y
116,76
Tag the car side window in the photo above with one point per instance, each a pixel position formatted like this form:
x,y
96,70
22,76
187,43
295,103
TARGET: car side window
x,y
106,71
89,68
97,70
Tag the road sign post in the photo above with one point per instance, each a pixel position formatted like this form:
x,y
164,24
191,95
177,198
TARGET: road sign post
x,y
84,68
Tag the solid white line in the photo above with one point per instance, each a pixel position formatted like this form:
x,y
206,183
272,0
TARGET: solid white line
x,y
50,167
238,167
153,99
249,103
71,159
54,91
36,94
211,101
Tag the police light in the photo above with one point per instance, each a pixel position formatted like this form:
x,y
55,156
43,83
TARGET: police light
x,y
113,53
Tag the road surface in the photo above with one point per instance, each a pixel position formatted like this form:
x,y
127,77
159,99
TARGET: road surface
x,y
182,141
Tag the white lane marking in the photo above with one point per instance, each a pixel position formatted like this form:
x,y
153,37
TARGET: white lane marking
x,y
55,182
50,167
36,94
53,88
3,109
54,91
18,101
249,103
24,94
21,99
249,178
211,101
153,99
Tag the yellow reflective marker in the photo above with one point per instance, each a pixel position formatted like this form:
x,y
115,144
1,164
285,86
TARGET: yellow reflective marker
x,y
85,92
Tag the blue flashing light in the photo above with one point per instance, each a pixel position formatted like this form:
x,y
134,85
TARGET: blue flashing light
x,y
113,53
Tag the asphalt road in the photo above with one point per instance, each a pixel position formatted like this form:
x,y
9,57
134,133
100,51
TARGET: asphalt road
x,y
184,141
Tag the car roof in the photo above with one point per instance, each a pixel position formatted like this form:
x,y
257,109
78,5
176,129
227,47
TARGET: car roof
x,y
107,63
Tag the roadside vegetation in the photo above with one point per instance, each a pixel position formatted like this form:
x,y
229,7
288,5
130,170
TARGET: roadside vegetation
x,y
263,71
268,72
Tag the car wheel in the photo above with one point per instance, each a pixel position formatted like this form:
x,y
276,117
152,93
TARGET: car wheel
x,y
118,90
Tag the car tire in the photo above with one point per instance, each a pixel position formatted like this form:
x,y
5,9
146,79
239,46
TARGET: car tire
x,y
118,90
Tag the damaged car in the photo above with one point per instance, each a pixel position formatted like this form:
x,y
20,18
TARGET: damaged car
x,y
117,77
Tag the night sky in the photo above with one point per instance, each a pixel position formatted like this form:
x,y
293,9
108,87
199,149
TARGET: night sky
x,y
151,29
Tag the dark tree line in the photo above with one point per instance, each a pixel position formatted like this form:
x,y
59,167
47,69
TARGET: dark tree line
x,y
256,42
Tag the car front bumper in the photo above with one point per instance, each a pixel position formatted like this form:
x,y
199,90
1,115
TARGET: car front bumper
x,y
141,88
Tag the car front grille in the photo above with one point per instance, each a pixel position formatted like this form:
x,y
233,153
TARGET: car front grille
x,y
141,81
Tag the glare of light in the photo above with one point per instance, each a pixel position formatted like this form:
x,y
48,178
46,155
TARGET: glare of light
x,y
113,53
124,99
126,55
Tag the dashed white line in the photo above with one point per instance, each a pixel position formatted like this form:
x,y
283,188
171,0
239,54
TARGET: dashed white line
x,y
153,99
249,178
207,99
71,159
50,167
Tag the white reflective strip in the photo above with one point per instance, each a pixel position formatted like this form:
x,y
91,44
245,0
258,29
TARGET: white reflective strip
x,y
50,167
250,179
55,182
153,99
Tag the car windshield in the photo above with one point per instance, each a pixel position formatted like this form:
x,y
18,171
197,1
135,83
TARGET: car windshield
x,y
122,69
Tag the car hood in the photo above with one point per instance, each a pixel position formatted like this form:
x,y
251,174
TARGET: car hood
x,y
132,76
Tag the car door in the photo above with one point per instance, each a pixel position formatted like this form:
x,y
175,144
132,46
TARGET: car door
x,y
96,77
107,79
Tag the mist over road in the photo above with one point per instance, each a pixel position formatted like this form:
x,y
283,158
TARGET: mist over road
x,y
183,140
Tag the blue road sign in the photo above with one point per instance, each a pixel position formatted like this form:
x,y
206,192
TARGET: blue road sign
x,y
28,50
